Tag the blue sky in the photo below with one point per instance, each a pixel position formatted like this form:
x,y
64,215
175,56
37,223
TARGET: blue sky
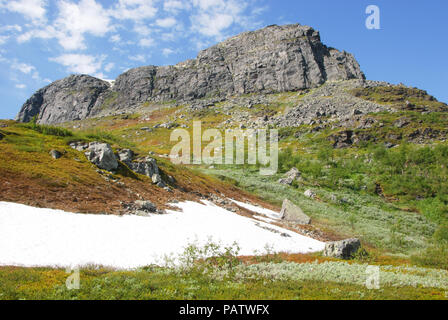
x,y
45,40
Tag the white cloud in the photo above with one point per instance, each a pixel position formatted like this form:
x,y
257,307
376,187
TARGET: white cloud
x,y
76,19
125,25
213,17
212,25
45,33
81,63
23,67
109,67
73,21
146,42
142,30
201,44
166,23
134,10
174,6
115,38
167,51
20,86
3,39
10,28
138,58
33,10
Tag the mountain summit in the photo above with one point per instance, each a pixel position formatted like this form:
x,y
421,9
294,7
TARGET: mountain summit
x,y
273,59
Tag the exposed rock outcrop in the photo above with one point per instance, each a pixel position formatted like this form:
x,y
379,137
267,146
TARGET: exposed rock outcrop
x,y
291,176
331,101
146,206
310,194
344,249
72,98
102,155
273,59
147,166
55,154
291,212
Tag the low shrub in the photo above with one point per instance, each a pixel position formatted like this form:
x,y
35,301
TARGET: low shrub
x,y
49,130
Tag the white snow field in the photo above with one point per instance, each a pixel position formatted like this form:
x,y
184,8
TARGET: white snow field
x,y
44,237
263,211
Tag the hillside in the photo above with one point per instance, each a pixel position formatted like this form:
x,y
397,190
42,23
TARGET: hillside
x,y
362,159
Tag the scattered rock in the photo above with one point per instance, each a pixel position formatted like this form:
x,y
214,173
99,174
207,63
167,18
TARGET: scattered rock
x,y
161,184
156,178
344,249
171,179
310,194
290,176
146,206
362,137
102,155
394,136
141,208
366,123
291,212
333,198
147,166
79,146
427,134
342,139
55,154
389,145
402,122
126,155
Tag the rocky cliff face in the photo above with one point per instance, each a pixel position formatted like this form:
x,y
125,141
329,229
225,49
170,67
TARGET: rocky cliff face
x,y
72,98
273,59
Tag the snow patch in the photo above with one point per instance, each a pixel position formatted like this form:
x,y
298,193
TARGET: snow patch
x,y
44,237
263,211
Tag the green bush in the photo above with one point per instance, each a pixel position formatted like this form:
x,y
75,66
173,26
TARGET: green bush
x,y
436,256
441,234
49,130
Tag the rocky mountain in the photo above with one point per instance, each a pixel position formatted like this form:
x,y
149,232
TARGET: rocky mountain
x,y
270,60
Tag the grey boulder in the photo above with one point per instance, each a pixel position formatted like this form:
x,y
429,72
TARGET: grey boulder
x,y
290,176
126,155
102,155
156,178
291,212
310,194
146,206
80,146
147,166
344,249
55,154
